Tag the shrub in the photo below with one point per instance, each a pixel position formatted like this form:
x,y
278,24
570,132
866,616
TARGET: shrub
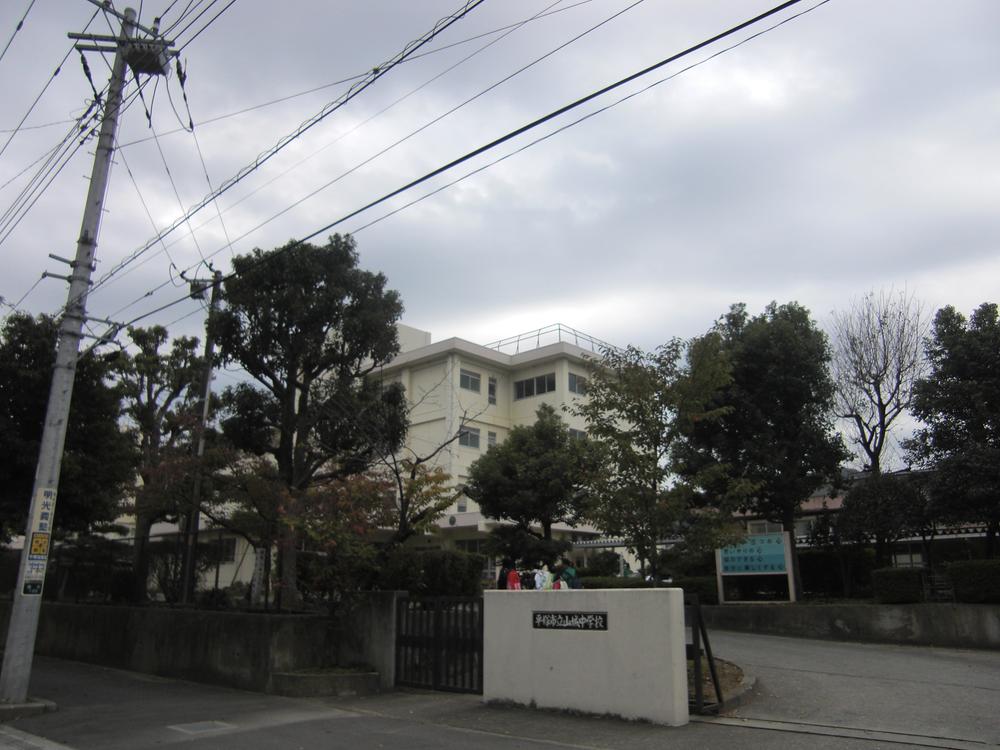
x,y
898,585
432,573
603,564
614,582
976,581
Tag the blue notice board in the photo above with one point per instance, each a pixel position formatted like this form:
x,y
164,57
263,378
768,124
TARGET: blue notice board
x,y
761,554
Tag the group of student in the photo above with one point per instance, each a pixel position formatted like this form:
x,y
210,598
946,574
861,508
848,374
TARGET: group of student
x,y
564,577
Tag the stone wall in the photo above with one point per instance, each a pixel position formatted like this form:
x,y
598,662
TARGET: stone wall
x,y
239,649
947,625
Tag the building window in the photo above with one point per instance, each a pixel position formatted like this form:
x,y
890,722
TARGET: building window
x,y
577,434
491,390
469,437
577,384
469,380
491,439
463,504
535,386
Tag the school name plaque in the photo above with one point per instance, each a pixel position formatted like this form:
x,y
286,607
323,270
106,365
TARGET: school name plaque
x,y
569,620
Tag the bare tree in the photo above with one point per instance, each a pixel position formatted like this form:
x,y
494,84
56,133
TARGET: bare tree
x,y
877,358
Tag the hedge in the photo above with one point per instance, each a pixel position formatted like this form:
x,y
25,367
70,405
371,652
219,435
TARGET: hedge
x,y
898,585
976,581
703,586
614,582
432,573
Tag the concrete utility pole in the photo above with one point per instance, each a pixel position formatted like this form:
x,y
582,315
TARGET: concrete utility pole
x,y
26,606
193,518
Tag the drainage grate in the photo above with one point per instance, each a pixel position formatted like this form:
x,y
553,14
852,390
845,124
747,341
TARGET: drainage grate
x,y
202,727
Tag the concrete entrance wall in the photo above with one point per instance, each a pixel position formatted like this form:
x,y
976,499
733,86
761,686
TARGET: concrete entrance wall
x,y
546,648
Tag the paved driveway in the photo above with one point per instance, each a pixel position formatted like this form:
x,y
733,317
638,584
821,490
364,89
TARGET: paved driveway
x,y
928,692
813,694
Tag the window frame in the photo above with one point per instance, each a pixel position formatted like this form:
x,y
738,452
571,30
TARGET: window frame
x,y
537,385
577,384
466,378
468,437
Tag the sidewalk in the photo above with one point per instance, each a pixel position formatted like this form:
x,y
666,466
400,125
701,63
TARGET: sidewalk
x,y
105,709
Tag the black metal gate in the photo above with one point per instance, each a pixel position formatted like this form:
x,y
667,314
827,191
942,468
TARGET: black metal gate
x,y
439,643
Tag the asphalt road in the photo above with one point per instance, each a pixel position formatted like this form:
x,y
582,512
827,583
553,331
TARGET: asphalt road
x,y
811,694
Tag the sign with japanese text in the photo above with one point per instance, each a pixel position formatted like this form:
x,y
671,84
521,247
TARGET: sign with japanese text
x,y
40,536
761,554
569,620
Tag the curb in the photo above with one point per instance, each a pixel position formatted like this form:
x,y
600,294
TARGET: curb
x,y
742,694
31,707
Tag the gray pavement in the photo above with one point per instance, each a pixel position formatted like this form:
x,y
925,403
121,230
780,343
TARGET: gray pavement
x,y
810,694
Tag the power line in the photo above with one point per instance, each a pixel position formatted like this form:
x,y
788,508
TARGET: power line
x,y
348,79
585,117
20,25
509,30
42,92
523,129
435,120
377,72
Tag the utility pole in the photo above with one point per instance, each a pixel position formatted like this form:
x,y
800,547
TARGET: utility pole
x,y
193,517
26,606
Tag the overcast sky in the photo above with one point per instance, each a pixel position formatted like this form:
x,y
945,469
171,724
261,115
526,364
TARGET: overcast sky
x,y
853,148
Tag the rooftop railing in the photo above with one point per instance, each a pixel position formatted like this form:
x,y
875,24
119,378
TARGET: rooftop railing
x,y
552,334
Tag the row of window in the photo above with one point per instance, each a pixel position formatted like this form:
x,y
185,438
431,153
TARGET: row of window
x,y
471,380
469,437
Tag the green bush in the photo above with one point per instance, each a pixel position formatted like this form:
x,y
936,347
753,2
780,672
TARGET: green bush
x,y
432,573
603,564
898,585
976,581
614,582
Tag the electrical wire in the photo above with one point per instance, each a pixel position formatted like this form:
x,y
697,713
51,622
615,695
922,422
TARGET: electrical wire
x,y
203,28
514,133
377,72
349,79
181,79
509,29
428,124
585,117
44,89
20,25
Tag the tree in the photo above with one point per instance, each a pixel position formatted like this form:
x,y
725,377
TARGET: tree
x,y
877,359
535,479
881,508
639,409
959,403
157,388
776,427
309,327
98,463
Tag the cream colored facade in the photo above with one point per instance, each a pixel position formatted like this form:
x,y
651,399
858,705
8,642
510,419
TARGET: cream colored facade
x,y
455,384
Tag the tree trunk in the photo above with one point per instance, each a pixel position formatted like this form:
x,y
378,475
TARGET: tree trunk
x,y
140,559
288,596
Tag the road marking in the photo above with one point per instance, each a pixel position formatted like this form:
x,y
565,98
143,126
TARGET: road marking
x,y
15,739
202,727
829,730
